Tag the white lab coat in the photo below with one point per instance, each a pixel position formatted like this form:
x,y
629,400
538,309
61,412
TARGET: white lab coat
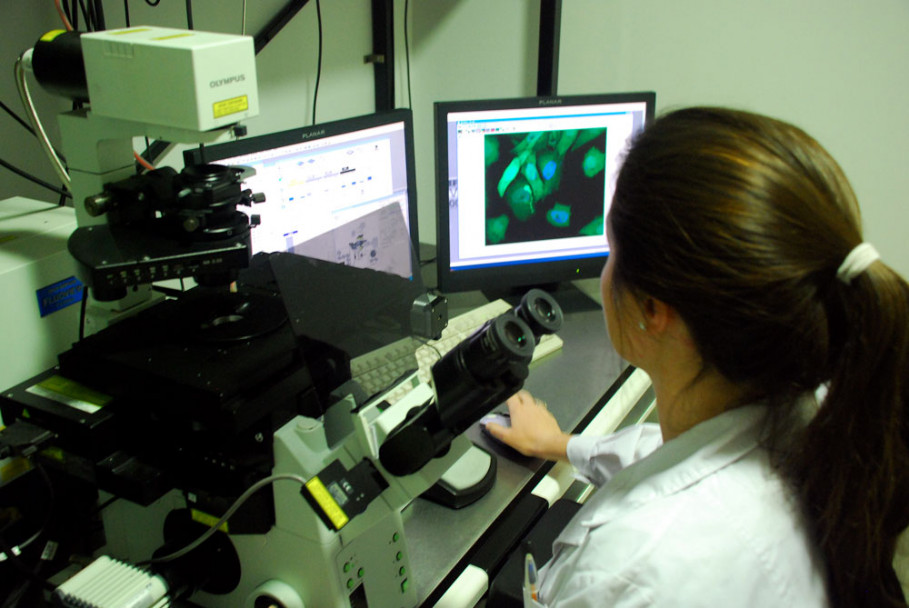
x,y
702,520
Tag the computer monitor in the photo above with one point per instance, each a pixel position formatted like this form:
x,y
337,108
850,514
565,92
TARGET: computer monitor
x,y
332,190
523,186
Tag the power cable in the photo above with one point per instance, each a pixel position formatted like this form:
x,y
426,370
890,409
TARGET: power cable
x,y
227,515
315,95
34,179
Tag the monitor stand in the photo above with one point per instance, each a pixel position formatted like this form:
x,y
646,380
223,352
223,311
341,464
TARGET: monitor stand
x,y
513,295
571,295
466,481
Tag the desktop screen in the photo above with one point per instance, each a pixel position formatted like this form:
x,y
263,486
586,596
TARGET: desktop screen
x,y
524,185
341,191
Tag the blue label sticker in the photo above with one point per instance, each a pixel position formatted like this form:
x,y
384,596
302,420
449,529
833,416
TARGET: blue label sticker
x,y
59,295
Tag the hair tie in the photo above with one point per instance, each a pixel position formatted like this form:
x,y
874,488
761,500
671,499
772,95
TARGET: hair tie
x,y
857,262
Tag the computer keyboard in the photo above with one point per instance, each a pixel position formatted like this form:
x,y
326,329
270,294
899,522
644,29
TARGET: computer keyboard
x,y
379,369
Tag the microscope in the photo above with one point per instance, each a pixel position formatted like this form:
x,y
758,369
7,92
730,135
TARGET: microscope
x,y
215,418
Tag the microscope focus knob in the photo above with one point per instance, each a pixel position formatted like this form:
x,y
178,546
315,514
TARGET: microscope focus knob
x,y
98,204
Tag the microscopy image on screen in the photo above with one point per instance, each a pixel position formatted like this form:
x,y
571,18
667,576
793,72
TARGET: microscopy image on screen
x,y
544,185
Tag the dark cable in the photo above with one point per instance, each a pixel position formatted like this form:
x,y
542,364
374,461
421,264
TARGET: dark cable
x,y
70,13
86,15
189,14
34,179
100,25
153,2
28,127
83,307
315,94
407,53
7,548
18,119
126,12
15,597
73,15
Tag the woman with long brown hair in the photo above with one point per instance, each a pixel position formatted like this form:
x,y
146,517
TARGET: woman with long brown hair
x,y
740,282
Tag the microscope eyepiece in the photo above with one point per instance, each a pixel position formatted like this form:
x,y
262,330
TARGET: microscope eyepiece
x,y
541,313
502,340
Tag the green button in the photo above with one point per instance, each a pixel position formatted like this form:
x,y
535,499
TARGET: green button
x,y
402,571
405,585
350,583
399,556
395,537
360,573
347,567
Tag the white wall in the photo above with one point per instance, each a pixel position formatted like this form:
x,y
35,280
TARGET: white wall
x,y
836,68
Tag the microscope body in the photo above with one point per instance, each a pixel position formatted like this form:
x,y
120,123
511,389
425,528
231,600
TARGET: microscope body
x,y
337,542
332,538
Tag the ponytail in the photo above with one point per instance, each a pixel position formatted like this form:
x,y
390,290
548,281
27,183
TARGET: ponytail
x,y
851,464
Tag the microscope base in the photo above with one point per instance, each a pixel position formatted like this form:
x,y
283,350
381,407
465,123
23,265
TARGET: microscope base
x,y
466,481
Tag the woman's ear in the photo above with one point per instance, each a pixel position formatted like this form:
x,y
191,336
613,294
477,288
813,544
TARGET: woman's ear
x,y
658,315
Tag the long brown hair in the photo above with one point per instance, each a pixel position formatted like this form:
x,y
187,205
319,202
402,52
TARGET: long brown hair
x,y
740,222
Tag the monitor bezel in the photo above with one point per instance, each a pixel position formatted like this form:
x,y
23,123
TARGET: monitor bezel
x,y
505,277
257,143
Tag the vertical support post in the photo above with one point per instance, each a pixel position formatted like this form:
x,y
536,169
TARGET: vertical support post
x,y
383,53
548,59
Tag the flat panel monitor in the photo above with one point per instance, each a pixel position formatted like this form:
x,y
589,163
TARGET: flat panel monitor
x,y
341,191
523,186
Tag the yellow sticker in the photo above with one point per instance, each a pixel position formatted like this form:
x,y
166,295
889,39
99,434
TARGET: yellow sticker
x,y
74,390
207,520
324,499
231,106
67,392
51,35
132,30
172,36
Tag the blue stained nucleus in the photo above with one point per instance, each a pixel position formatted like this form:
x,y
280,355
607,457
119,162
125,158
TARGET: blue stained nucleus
x,y
549,169
559,216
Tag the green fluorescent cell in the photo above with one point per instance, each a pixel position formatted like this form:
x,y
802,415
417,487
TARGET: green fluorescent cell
x,y
594,228
559,216
594,162
491,145
533,179
587,135
513,168
496,228
519,196
566,141
530,172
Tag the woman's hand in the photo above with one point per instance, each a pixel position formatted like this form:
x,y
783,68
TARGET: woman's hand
x,y
534,430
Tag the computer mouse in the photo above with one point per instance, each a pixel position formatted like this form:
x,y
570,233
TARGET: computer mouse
x,y
498,418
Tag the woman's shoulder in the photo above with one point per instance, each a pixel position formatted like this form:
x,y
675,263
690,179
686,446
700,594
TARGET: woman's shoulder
x,y
738,530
